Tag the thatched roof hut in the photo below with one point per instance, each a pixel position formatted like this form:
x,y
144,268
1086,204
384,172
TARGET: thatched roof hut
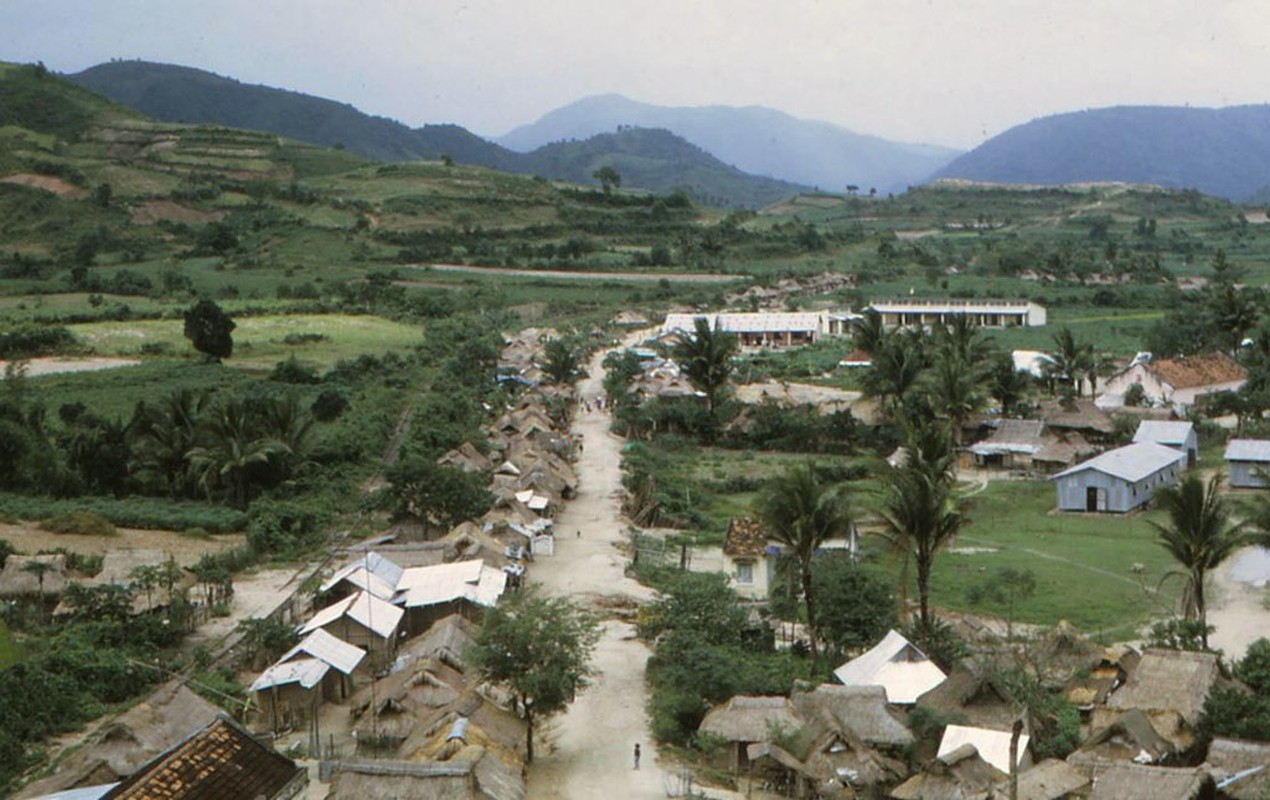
x,y
21,579
958,775
1158,783
862,710
1129,738
1241,768
747,718
1170,686
975,693
1051,779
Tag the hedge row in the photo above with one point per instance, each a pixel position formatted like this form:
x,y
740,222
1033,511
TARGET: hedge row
x,y
132,512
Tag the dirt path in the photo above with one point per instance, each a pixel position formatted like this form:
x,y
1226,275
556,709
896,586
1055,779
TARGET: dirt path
x,y
586,275
1237,607
588,751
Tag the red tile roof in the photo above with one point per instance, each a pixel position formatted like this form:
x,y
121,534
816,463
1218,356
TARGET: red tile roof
x,y
1203,370
220,761
746,538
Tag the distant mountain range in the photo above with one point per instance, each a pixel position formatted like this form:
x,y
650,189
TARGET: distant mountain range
x,y
1222,152
757,140
653,160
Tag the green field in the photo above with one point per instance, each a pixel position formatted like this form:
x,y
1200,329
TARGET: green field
x,y
10,652
260,342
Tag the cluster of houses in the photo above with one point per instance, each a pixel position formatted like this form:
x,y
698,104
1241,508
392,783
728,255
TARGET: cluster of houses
x,y
1139,713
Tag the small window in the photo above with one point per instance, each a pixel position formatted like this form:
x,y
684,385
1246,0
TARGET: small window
x,y
745,572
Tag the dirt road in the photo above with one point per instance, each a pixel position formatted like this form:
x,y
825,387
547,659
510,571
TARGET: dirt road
x,y
587,275
590,749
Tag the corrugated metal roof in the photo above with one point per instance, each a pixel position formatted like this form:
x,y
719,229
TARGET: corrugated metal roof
x,y
366,579
1248,450
325,647
1173,434
747,322
897,666
993,746
471,580
1012,436
364,608
1131,463
308,672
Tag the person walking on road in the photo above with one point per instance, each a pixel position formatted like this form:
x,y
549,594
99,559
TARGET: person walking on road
x,y
637,755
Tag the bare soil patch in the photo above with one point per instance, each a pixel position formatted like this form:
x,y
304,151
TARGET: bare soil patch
x,y
685,277
48,183
28,538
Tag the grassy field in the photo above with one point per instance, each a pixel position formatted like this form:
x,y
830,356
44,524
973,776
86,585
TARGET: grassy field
x,y
1084,563
260,342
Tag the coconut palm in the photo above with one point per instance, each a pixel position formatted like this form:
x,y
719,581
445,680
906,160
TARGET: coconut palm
x,y
1200,534
868,332
164,433
897,366
229,448
957,389
1070,360
801,512
919,507
705,356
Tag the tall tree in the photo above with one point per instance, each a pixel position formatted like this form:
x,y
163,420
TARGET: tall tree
x,y
164,433
609,179
801,512
229,446
898,362
561,362
1070,360
919,507
539,648
868,332
956,389
210,329
1200,534
705,356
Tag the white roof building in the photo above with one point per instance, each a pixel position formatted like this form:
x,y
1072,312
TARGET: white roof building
x,y
364,608
993,746
471,580
371,573
1131,463
896,665
923,312
309,661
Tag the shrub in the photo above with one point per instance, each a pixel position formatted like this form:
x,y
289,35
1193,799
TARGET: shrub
x,y
80,523
150,513
283,528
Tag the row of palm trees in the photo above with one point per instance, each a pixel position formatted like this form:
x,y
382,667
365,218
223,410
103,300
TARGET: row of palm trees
x,y
917,501
193,443
922,512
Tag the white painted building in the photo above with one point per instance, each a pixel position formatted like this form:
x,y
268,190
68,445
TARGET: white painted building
x,y
766,328
922,312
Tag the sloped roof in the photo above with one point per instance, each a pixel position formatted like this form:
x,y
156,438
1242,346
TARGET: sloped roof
x,y
1195,371
1169,680
1131,737
1052,779
1165,432
1012,436
220,761
1119,781
308,672
863,710
959,775
471,580
746,718
1241,768
1248,450
746,538
326,648
992,746
1080,415
896,665
976,694
17,580
372,573
363,608
1130,463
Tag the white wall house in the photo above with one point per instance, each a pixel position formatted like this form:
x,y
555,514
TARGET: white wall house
x,y
747,560
1178,435
766,328
1175,383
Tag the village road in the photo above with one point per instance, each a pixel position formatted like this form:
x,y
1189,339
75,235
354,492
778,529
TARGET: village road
x,y
589,750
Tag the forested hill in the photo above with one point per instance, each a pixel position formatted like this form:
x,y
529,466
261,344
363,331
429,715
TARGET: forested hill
x,y
1223,152
760,141
655,161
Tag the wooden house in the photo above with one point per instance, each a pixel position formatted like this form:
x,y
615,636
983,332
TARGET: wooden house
x,y
1248,463
317,669
1178,435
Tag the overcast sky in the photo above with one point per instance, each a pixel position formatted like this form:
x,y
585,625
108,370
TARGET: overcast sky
x,y
943,72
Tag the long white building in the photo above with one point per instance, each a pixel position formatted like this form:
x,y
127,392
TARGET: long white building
x,y
767,328
918,312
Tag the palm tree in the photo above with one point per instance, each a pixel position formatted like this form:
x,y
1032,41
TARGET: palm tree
x,y
1070,359
801,513
230,447
705,356
963,340
897,365
1200,534
868,332
920,510
957,389
164,434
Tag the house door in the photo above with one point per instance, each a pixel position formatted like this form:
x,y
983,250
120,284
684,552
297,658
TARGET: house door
x,y
1191,458
1091,498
